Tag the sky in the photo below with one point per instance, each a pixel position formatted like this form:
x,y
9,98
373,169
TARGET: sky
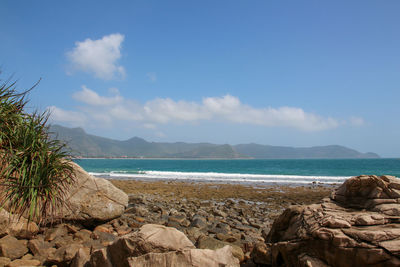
x,y
289,73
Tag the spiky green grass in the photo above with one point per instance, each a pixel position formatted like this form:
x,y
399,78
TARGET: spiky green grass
x,y
34,174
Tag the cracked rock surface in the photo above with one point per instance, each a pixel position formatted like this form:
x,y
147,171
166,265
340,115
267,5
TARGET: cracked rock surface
x,y
359,225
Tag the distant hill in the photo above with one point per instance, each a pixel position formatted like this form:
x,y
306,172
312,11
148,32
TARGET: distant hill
x,y
87,145
281,152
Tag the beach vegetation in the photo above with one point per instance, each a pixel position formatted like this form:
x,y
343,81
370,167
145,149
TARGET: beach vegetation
x,y
34,172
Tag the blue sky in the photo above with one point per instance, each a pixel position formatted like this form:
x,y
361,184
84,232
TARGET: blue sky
x,y
295,73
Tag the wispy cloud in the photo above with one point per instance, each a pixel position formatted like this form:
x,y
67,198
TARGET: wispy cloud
x,y
161,111
99,57
152,76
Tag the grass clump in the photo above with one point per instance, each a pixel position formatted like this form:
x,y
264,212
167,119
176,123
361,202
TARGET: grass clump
x,y
34,174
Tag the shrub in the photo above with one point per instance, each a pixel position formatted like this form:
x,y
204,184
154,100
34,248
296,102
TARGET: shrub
x,y
34,172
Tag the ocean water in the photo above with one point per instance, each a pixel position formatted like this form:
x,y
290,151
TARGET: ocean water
x,y
248,171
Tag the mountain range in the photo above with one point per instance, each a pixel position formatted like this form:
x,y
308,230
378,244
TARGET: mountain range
x,y
82,144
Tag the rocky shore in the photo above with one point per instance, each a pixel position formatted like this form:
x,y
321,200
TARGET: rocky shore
x,y
209,217
200,224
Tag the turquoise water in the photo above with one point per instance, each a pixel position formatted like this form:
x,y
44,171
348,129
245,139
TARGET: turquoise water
x,y
289,171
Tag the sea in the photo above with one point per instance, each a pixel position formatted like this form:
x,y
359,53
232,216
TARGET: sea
x,y
243,171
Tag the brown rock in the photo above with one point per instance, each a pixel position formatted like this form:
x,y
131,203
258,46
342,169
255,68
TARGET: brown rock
x,y
192,257
64,255
15,226
12,248
206,242
330,234
4,261
21,262
82,258
83,235
104,229
100,258
52,233
40,248
93,199
150,238
261,254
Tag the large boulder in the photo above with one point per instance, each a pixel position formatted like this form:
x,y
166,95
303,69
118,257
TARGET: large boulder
x,y
93,199
157,245
353,228
191,257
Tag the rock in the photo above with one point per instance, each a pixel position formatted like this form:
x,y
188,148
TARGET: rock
x,y
192,257
138,210
361,191
206,242
82,258
199,222
15,226
93,199
40,248
104,237
12,248
59,231
103,228
150,238
261,254
83,235
100,258
350,229
4,261
64,255
193,233
21,262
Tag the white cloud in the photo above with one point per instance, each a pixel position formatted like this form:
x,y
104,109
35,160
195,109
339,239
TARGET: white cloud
x,y
229,109
92,98
72,117
98,56
152,76
356,121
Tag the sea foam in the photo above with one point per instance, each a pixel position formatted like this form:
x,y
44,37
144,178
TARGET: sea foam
x,y
222,177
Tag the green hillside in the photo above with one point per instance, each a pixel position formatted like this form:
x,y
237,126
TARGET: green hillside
x,y
87,145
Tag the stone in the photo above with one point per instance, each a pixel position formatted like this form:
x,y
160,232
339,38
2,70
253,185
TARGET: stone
x,y
261,254
206,242
82,258
12,248
352,228
21,262
40,248
4,261
100,258
83,235
16,226
103,228
198,222
64,255
59,231
192,257
138,210
104,237
93,199
356,191
150,238
193,233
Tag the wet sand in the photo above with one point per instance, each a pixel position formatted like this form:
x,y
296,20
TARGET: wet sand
x,y
278,195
